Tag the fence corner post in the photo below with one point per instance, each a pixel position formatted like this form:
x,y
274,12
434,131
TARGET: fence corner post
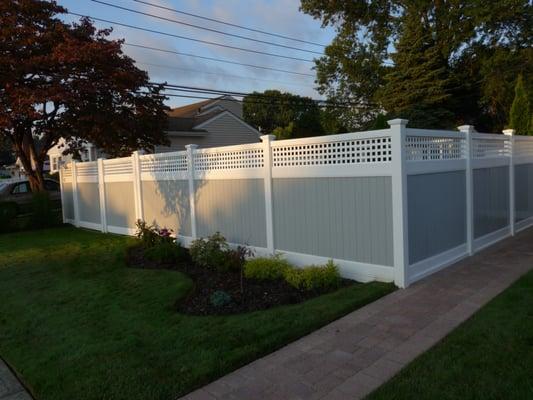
x,y
512,206
101,195
468,130
75,194
398,132
269,213
137,188
192,203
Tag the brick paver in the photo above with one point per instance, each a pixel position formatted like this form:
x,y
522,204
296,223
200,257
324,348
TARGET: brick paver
x,y
354,355
10,387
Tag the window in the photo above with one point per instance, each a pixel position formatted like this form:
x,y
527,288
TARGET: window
x,y
54,163
51,186
21,188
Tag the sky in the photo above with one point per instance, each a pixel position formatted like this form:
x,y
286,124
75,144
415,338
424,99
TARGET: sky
x,y
276,16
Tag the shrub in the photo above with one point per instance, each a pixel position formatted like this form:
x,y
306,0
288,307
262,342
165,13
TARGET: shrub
x,y
151,235
214,252
266,268
220,298
166,252
43,214
8,216
315,277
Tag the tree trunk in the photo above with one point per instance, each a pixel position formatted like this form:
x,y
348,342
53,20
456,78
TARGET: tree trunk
x,y
33,165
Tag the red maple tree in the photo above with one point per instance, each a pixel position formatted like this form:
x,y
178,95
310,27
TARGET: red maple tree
x,y
70,81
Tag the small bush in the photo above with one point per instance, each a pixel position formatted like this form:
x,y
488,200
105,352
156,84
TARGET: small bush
x,y
43,214
220,298
266,268
315,277
151,235
214,252
166,252
8,216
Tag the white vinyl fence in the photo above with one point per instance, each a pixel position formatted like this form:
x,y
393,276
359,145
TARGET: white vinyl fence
x,y
390,205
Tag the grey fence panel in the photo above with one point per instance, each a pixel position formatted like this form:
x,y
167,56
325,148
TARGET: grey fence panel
x,y
523,191
345,218
236,208
491,200
120,207
68,200
436,213
89,202
166,203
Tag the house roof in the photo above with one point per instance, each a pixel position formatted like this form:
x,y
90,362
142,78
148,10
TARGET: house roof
x,y
186,118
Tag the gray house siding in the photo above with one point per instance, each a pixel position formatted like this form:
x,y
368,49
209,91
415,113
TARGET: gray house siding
x,y
222,131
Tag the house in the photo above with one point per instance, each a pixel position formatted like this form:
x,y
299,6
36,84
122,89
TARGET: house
x,y
210,123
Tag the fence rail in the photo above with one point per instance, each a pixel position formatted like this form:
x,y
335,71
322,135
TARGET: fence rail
x,y
392,205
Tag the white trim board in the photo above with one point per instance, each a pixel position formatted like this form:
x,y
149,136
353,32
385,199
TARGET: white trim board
x,y
430,265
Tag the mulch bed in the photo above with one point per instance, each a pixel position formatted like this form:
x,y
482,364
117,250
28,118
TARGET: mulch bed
x,y
256,295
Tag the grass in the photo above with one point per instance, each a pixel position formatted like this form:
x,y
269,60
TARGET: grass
x,y
488,357
76,323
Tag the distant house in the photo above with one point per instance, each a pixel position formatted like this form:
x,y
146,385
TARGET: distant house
x,y
210,123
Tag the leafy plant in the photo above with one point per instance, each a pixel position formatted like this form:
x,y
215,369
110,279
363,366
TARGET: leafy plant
x,y
43,214
166,252
214,252
151,235
220,298
8,215
266,268
315,277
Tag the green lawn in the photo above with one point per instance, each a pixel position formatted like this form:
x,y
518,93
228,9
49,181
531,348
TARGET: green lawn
x,y
488,357
75,323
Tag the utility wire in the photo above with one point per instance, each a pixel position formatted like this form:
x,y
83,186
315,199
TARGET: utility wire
x,y
192,39
229,23
244,94
221,74
216,59
205,28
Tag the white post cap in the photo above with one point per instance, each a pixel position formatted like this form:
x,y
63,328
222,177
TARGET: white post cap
x,y
267,138
397,121
509,132
466,128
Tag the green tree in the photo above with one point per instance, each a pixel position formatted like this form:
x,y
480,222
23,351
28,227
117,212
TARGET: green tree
x,y
520,116
471,42
273,109
417,88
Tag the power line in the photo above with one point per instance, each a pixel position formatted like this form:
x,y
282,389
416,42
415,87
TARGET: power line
x,y
196,89
216,59
229,23
191,39
221,74
205,28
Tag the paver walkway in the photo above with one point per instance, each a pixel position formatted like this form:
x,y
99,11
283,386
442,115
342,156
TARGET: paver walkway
x,y
352,356
10,387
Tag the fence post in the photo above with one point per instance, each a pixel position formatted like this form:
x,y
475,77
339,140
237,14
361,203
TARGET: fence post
x,y
512,210
398,131
192,204
269,214
101,194
468,130
75,194
62,191
137,188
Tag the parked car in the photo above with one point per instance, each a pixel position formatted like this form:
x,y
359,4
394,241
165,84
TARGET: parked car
x,y
20,192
